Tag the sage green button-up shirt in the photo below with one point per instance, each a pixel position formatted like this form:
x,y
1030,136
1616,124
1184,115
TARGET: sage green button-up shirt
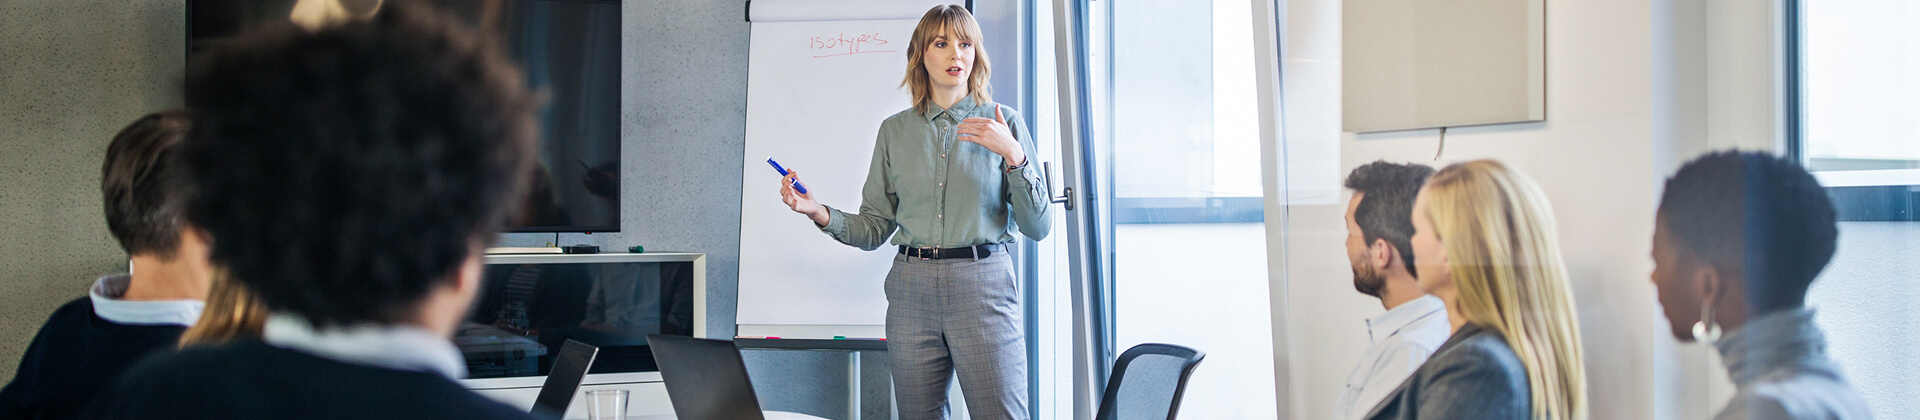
x,y
940,191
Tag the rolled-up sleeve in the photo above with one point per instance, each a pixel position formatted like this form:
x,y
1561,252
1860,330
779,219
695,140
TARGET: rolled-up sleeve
x,y
875,223
1027,195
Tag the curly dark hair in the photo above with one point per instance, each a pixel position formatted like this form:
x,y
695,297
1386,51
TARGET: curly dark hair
x,y
1762,215
345,172
1386,208
143,185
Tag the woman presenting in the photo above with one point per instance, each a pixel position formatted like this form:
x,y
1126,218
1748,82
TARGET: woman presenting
x,y
953,304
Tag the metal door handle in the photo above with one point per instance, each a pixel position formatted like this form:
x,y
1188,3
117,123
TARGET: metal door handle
x,y
1066,195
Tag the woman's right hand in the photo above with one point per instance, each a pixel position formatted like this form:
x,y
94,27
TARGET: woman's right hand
x,y
801,203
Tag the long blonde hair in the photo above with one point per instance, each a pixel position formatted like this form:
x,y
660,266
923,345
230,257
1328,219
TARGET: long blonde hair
x,y
937,22
1500,243
232,313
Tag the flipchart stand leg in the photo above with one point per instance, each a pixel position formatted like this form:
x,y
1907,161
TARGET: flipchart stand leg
x,y
853,386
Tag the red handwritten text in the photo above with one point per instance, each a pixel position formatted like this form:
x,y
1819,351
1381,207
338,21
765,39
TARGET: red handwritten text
x,y
843,44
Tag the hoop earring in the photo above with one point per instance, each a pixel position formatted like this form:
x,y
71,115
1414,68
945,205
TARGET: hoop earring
x,y
1706,331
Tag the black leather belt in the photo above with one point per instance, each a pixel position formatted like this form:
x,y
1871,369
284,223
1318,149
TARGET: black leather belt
x,y
982,251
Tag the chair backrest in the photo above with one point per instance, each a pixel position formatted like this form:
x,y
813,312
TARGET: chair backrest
x,y
1147,382
568,369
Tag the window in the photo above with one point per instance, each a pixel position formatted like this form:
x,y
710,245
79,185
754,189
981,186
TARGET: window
x,y
1048,295
1850,80
1181,113
1859,103
1174,111
1858,59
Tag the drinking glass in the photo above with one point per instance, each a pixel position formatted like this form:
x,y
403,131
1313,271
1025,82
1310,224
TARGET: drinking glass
x,y
607,404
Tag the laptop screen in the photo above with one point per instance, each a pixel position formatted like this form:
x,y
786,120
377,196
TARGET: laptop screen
x,y
706,379
568,369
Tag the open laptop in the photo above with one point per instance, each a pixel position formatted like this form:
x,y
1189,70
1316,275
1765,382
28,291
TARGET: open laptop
x,y
564,379
706,379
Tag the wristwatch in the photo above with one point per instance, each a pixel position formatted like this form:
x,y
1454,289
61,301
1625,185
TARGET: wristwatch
x,y
1012,169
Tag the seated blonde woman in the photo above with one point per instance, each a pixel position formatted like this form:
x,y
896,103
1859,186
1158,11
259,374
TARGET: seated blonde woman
x,y
1485,245
232,313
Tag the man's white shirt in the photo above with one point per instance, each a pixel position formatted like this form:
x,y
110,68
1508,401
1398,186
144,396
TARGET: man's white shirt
x,y
108,294
395,347
1402,339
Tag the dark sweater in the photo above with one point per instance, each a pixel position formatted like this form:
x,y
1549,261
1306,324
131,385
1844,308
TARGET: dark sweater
x,y
1475,375
252,380
76,355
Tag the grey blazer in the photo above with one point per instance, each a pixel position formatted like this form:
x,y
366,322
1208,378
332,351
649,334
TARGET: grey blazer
x,y
1473,376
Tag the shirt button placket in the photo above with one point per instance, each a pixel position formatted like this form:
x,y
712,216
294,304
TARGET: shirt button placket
x,y
948,136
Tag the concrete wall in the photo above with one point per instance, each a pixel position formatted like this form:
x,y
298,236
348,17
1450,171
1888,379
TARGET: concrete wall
x,y
72,73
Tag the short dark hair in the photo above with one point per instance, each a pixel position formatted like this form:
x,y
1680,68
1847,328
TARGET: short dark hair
x,y
1386,207
143,185
345,172
1757,213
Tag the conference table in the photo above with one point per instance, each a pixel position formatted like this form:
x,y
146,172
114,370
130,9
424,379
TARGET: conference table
x,y
853,348
770,415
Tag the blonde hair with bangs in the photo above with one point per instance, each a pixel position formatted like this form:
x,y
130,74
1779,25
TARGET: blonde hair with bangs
x,y
1501,245
939,21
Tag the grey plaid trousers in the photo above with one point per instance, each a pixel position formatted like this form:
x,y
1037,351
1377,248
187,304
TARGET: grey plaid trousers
x,y
956,316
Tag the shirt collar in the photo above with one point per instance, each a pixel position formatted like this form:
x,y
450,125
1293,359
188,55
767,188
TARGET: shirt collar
x,y
959,110
1385,325
107,295
395,347
1781,339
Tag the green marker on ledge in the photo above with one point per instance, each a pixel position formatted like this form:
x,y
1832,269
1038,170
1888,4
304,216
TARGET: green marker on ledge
x,y
839,337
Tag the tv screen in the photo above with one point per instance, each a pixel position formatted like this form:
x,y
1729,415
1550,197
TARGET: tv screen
x,y
570,52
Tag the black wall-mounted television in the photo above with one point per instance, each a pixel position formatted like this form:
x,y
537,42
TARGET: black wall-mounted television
x,y
569,50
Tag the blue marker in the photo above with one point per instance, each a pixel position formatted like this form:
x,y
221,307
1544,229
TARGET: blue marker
x,y
783,172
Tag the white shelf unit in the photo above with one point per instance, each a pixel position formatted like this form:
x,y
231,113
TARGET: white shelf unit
x,y
648,393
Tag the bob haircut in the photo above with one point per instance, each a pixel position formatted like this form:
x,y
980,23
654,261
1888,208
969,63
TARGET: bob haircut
x,y
940,21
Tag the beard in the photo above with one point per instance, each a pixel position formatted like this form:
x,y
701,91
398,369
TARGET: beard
x,y
1368,281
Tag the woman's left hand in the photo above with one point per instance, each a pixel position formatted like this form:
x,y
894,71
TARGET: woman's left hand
x,y
994,135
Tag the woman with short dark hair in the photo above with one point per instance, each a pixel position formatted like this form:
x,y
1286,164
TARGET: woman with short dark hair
x,y
1738,238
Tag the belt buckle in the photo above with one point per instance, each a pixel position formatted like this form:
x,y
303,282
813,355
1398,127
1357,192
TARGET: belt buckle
x,y
925,252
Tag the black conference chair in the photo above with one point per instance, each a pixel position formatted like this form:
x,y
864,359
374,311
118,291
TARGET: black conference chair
x,y
1147,382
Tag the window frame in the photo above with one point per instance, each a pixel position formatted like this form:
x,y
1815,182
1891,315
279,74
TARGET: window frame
x,y
1128,210
1852,202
